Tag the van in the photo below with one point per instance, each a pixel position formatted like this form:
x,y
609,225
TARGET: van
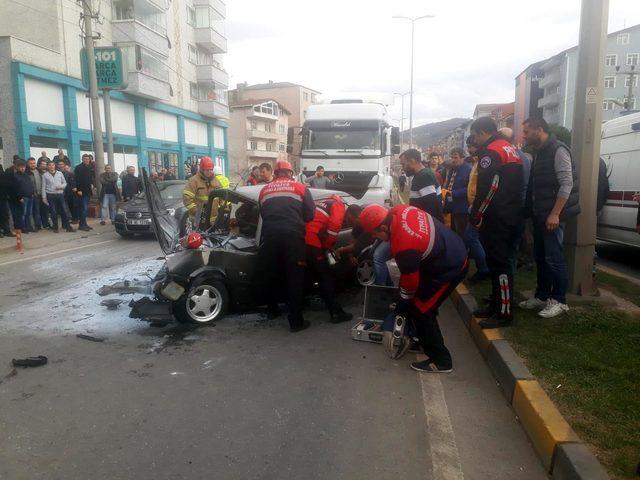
x,y
620,149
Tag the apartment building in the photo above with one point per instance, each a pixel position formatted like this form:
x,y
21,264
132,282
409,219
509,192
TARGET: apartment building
x,y
556,79
257,134
293,97
174,108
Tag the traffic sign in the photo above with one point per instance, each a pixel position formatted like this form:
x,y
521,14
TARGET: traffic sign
x,y
110,68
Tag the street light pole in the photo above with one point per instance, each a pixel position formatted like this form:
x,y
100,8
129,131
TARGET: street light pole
x,y
585,145
413,22
401,95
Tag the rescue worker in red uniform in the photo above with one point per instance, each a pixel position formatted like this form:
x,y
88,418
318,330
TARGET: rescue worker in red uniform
x,y
322,233
285,206
432,260
496,213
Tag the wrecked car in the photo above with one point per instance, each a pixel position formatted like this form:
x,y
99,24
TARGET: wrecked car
x,y
212,272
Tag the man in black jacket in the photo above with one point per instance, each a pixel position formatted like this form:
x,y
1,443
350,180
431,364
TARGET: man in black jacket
x,y
552,198
84,189
131,185
5,223
496,212
21,197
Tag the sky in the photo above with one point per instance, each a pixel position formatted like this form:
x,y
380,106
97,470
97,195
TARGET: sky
x,y
469,53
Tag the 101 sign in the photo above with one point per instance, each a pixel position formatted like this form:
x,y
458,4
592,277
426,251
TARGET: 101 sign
x,y
110,68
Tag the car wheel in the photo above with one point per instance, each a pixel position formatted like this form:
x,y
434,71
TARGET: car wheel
x,y
365,273
206,301
124,234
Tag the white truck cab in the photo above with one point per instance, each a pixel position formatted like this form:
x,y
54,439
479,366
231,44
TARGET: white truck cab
x,y
353,141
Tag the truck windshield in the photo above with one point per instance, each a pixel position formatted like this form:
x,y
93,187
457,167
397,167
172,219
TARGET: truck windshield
x,y
343,140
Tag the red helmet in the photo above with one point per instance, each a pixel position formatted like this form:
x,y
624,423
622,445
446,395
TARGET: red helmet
x,y
283,165
206,163
193,240
372,217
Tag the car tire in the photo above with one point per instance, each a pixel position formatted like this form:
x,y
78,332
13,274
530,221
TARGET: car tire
x,y
206,301
124,234
365,274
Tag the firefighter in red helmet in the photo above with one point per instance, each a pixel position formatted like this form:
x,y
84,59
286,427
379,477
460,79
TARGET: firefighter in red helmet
x,y
196,192
321,235
432,261
285,207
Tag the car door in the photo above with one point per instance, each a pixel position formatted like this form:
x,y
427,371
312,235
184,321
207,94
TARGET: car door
x,y
163,222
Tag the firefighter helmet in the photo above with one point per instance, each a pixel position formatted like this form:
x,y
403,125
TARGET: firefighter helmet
x,y
372,217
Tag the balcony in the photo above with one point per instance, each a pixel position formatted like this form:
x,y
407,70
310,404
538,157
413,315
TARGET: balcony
x,y
218,5
144,85
147,34
210,39
550,79
253,115
212,74
254,133
549,101
150,6
262,153
212,108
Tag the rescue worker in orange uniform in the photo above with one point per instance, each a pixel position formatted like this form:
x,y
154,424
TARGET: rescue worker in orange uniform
x,y
196,192
321,235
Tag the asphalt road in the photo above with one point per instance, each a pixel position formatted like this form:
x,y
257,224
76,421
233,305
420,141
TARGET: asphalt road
x,y
244,399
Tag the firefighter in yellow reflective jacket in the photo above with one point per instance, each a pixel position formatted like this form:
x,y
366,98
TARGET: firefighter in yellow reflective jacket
x,y
196,192
224,181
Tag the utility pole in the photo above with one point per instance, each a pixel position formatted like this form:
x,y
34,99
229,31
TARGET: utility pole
x,y
401,95
98,148
585,145
106,97
632,76
413,23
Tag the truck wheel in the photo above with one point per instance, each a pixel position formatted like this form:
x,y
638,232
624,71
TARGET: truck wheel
x,y
206,301
365,273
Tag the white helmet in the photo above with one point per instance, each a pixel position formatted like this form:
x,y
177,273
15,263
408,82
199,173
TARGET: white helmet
x,y
217,170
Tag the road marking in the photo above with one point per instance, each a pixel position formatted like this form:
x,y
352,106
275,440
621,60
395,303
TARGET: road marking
x,y
445,460
57,252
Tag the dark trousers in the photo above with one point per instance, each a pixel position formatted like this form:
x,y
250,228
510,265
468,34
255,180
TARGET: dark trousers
x,y
551,267
70,199
17,213
82,207
283,255
424,313
57,207
459,222
318,268
5,220
44,213
37,218
497,240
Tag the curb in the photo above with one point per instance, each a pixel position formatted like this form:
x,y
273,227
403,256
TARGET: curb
x,y
560,449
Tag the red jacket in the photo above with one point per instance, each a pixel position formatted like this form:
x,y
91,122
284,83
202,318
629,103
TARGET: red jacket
x,y
322,231
285,207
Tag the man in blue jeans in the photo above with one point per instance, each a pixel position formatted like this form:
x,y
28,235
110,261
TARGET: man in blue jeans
x,y
552,198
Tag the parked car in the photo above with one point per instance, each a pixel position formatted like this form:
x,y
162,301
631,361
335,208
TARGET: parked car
x,y
133,217
204,279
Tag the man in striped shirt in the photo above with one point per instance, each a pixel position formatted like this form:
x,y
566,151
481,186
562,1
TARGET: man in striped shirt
x,y
425,191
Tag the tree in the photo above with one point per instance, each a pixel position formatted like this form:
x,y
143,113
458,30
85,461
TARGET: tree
x,y
563,134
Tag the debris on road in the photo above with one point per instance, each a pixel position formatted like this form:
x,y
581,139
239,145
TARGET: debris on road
x,y
124,287
111,303
90,338
158,313
30,361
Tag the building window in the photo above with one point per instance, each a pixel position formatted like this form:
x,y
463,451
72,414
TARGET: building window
x,y
204,58
623,39
305,96
254,125
609,82
254,145
269,147
193,54
608,104
191,16
281,147
631,105
611,60
627,80
281,128
270,108
267,127
633,58
193,90
313,98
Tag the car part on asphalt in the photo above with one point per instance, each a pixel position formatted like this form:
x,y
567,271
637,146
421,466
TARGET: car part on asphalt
x,y
90,338
125,286
30,361
157,313
111,303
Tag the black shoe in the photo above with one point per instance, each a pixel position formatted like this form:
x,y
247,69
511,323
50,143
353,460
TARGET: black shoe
x,y
484,312
298,328
341,316
478,277
54,230
102,222
74,222
70,229
84,228
496,321
430,367
90,228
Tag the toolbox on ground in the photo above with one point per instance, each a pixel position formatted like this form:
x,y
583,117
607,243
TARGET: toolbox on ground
x,y
378,304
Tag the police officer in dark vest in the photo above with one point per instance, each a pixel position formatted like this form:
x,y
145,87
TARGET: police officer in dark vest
x,y
496,212
552,198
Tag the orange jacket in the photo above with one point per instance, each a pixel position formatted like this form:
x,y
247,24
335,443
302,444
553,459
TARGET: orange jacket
x,y
322,231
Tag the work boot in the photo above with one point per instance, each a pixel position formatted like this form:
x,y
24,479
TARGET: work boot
x,y
496,321
298,328
70,229
340,316
485,311
102,222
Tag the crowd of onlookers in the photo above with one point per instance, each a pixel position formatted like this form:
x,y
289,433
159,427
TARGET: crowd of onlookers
x,y
48,193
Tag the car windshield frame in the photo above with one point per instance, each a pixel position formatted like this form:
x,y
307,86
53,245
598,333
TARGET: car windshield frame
x,y
345,144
